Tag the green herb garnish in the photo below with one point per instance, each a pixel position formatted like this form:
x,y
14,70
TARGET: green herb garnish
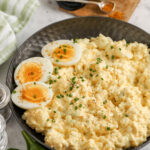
x,y
99,60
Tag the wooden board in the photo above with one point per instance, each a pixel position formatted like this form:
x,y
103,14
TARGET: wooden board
x,y
123,7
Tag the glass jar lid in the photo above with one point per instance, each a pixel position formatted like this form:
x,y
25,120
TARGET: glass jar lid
x,y
4,95
2,124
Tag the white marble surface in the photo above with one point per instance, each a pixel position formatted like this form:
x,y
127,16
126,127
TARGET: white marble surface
x,y
48,13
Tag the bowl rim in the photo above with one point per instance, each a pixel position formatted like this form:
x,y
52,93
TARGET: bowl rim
x,y
24,126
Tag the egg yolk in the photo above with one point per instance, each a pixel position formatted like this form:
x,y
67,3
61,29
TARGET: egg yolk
x,y
63,53
29,72
35,93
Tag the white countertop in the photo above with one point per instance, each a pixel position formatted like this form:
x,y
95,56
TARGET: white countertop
x,y
46,14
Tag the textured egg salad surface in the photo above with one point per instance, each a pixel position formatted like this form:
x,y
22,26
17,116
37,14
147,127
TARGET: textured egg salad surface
x,y
100,101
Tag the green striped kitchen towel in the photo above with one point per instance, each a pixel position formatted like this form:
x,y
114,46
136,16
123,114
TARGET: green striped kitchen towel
x,y
14,14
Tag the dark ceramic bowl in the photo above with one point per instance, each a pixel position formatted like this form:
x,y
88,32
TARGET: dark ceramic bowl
x,y
70,6
77,27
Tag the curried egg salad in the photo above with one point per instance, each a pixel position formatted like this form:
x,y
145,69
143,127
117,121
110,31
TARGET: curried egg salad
x,y
101,101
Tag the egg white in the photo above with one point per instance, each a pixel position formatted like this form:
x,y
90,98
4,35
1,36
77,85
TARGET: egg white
x,y
46,65
50,47
24,104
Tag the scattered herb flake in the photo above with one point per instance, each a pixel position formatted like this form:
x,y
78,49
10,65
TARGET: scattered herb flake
x,y
70,95
108,128
50,81
119,49
112,57
34,96
75,107
104,117
106,66
64,50
126,115
76,99
59,77
53,120
75,40
91,75
80,105
102,79
111,47
71,103
105,101
99,60
61,57
13,91
56,71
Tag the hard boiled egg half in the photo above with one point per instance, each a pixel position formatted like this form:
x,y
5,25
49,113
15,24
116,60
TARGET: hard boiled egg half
x,y
33,69
32,95
62,52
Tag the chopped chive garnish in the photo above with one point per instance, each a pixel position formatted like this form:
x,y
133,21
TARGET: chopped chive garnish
x,y
76,99
119,49
58,96
59,77
71,88
59,67
97,75
94,70
54,111
61,57
102,79
108,128
83,96
91,69
64,50
75,107
104,117
99,60
71,103
91,75
47,120
50,81
53,120
112,57
126,115
104,102
70,95
75,40
111,47
106,66
57,60
77,87
55,80
80,105
13,91
56,71
34,96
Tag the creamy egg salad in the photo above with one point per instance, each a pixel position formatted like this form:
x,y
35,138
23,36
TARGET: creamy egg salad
x,y
101,102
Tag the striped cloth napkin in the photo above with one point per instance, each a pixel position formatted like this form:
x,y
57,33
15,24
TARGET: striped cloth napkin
x,y
14,14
